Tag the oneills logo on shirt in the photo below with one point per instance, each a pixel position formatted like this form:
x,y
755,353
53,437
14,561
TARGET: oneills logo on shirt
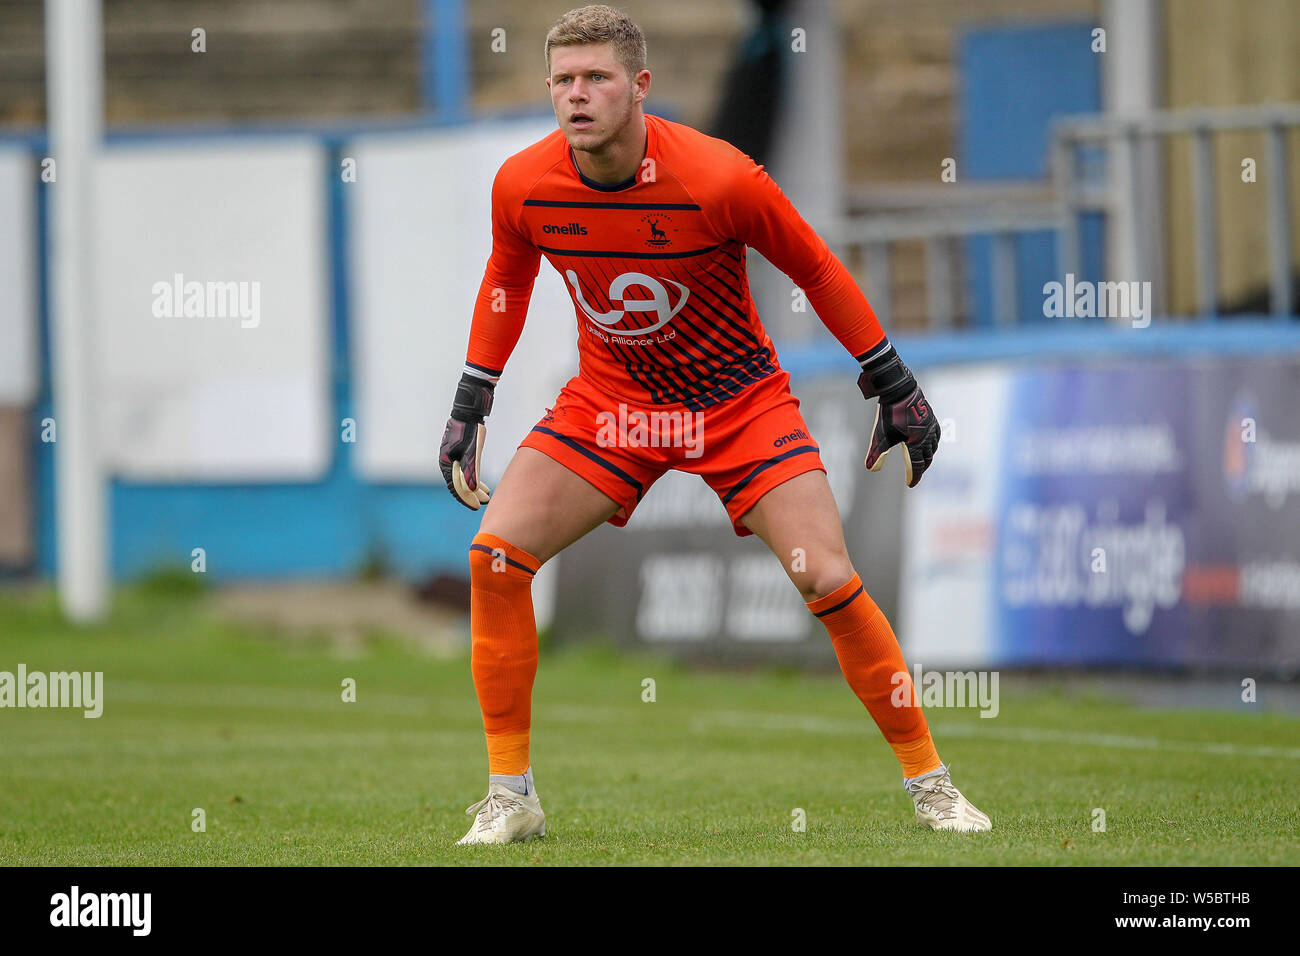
x,y
659,302
571,229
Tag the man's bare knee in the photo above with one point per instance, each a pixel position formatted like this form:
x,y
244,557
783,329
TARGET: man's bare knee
x,y
824,576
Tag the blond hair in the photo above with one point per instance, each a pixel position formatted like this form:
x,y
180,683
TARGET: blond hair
x,y
598,23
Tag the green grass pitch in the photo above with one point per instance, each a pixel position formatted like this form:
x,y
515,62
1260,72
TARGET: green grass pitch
x,y
253,730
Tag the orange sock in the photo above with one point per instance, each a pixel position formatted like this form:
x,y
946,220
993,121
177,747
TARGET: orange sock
x,y
503,655
873,665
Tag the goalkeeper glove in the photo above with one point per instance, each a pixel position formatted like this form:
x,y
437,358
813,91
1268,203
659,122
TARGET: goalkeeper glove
x,y
903,415
461,454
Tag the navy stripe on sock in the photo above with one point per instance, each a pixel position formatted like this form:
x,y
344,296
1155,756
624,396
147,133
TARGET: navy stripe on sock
x,y
843,604
510,561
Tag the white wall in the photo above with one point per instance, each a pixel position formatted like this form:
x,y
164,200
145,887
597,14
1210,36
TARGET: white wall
x,y
214,397
421,234
18,335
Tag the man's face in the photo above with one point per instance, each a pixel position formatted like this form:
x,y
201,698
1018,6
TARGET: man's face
x,y
593,99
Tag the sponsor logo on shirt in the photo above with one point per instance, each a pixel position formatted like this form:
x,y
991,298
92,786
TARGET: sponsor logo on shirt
x,y
659,303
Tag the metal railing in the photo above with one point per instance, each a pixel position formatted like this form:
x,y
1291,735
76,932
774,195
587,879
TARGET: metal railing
x,y
945,214
967,211
1124,137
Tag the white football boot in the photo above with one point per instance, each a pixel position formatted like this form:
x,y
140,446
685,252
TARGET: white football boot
x,y
504,816
941,806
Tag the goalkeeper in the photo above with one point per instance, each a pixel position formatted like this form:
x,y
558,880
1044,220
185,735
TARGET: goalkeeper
x,y
648,222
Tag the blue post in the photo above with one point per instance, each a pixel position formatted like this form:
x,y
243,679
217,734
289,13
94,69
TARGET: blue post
x,y
445,60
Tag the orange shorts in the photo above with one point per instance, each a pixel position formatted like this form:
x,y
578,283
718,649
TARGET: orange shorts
x,y
743,447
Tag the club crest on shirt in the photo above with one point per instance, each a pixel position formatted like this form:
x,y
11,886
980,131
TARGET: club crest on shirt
x,y
657,225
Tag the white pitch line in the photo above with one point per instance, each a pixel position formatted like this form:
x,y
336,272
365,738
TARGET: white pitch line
x,y
292,743
1039,735
298,699
755,720
269,698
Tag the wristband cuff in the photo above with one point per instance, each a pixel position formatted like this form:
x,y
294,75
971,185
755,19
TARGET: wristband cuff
x,y
481,372
877,355
473,401
886,378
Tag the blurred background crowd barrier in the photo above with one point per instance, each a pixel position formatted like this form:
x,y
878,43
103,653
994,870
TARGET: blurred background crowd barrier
x,y
1119,482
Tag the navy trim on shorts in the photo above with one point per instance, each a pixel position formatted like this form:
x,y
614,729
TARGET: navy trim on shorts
x,y
509,561
843,604
588,453
802,450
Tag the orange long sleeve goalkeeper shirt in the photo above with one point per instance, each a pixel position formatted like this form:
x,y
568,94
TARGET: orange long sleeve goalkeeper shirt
x,y
655,267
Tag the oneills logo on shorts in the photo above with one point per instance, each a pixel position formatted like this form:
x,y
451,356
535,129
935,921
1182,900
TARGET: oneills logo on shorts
x,y
659,302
